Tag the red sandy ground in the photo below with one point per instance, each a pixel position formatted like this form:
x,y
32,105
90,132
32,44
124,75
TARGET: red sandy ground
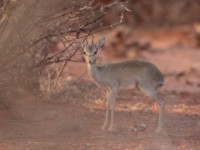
x,y
74,122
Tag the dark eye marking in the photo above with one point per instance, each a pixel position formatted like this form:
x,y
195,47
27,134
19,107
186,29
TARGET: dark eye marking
x,y
95,52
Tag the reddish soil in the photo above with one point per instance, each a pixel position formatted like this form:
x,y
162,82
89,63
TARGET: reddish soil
x,y
74,123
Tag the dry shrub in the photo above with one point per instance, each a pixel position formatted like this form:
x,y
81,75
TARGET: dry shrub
x,y
38,39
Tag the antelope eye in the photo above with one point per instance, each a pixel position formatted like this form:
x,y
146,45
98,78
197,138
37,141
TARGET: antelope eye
x,y
84,53
95,52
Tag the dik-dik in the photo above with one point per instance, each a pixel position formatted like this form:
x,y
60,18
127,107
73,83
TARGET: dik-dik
x,y
112,77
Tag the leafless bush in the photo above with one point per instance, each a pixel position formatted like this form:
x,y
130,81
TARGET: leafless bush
x,y
36,34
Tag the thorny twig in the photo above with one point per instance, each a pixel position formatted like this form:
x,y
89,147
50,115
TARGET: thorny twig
x,y
30,47
78,24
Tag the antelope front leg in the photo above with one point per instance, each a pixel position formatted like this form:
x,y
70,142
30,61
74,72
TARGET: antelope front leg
x,y
112,119
112,106
107,115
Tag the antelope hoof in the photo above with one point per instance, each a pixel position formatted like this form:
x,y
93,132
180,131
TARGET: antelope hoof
x,y
159,130
111,129
103,128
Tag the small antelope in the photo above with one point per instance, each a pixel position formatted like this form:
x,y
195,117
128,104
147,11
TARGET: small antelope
x,y
141,74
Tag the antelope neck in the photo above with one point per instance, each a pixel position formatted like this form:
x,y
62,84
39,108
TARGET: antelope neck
x,y
93,70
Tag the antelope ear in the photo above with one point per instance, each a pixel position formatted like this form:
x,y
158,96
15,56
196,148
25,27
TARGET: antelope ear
x,y
100,43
